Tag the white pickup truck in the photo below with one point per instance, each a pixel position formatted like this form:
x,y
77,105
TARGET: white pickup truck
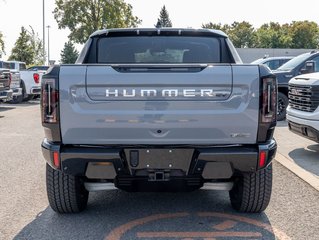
x,y
30,80
303,111
14,82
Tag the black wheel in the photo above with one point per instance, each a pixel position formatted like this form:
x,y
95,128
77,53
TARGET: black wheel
x,y
66,193
251,192
282,105
16,99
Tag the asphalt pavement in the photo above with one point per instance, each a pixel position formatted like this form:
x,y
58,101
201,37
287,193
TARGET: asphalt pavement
x,y
293,212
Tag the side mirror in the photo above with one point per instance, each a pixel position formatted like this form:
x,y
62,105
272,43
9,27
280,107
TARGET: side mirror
x,y
309,67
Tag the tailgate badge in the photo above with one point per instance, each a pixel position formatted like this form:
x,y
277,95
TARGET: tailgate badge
x,y
240,135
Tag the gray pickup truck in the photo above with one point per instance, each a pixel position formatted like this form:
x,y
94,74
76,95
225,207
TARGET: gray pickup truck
x,y
159,110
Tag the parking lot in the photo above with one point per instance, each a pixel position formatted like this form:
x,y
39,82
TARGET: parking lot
x,y
292,214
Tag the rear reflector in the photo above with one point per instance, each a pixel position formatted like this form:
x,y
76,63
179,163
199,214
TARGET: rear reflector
x,y
56,159
262,159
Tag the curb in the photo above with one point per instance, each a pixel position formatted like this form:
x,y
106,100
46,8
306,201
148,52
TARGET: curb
x,y
308,177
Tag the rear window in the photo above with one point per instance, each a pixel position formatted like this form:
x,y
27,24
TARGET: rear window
x,y
167,49
22,66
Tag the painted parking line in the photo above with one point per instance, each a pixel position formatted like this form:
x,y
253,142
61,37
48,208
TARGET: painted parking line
x,y
225,226
197,234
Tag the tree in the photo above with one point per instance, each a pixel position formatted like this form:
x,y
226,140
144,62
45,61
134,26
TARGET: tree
x,y
225,28
273,35
242,34
1,44
28,48
69,54
83,17
164,20
23,49
304,34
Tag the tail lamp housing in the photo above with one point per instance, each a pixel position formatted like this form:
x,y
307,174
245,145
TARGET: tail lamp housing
x,y
50,101
269,100
36,78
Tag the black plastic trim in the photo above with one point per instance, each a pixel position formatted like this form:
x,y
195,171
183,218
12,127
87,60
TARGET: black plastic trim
x,y
304,131
265,130
52,131
74,159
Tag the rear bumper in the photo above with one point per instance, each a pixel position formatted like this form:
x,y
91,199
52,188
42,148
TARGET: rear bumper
x,y
6,95
35,90
304,131
110,163
17,92
307,128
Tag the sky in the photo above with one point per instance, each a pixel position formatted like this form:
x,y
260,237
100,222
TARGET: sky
x,y
17,13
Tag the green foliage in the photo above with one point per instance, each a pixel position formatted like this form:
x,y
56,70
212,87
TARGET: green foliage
x,y
28,48
273,35
83,17
69,54
23,49
1,44
218,26
164,20
298,34
242,34
304,34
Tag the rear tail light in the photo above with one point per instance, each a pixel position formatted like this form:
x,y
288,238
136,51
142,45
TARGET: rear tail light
x,y
36,78
262,159
269,100
50,99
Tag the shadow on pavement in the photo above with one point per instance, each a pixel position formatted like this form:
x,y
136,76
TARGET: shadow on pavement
x,y
119,215
307,158
5,108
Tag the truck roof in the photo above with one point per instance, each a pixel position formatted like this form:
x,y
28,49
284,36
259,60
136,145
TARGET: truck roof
x,y
159,30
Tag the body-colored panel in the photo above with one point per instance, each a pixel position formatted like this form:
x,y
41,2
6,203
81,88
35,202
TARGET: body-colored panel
x,y
87,117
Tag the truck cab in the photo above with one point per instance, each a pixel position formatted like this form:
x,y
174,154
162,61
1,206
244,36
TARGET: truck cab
x,y
296,66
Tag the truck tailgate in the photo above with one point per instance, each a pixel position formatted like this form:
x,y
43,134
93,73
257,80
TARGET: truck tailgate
x,y
110,105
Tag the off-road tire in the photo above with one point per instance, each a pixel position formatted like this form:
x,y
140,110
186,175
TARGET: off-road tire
x,y
251,192
66,193
282,106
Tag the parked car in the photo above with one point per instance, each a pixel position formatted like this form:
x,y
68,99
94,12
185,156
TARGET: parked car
x,y
272,62
30,80
302,111
302,64
150,109
5,80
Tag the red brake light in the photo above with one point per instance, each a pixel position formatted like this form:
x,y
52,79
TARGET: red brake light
x,y
36,77
262,159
